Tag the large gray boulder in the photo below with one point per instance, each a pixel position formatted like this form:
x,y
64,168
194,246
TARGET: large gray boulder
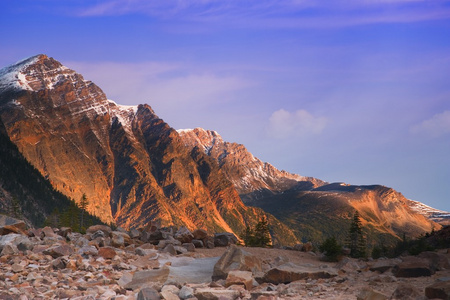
x,y
235,258
11,225
289,272
224,239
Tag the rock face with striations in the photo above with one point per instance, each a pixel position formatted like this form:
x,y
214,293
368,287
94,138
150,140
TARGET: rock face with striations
x,y
132,166
252,178
313,208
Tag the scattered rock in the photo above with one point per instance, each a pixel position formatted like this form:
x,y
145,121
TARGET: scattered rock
x,y
48,232
170,248
184,235
189,247
383,265
244,278
200,234
413,267
142,278
59,263
117,239
64,231
135,234
59,250
236,259
107,252
106,229
289,272
439,290
307,247
369,294
186,292
170,292
214,293
198,243
11,225
438,261
224,239
298,247
406,291
148,293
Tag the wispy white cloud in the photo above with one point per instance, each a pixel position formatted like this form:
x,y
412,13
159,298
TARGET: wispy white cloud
x,y
284,124
438,125
279,14
166,85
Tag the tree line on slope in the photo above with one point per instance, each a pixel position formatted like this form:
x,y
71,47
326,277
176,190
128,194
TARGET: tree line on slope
x,y
356,246
25,193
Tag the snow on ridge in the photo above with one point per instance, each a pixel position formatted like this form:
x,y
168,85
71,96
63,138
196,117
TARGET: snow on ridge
x,y
187,130
125,114
426,210
12,76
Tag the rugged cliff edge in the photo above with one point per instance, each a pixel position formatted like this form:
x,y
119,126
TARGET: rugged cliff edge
x,y
133,167
314,209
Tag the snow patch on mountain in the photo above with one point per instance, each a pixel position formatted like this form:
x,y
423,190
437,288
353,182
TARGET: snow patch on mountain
x,y
431,213
12,77
124,114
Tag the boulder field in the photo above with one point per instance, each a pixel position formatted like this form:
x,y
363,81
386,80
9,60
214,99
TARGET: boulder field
x,y
175,263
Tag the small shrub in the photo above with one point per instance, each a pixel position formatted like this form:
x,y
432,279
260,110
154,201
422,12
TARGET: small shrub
x,y
331,249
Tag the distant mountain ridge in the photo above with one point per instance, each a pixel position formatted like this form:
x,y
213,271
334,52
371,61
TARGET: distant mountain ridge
x,y
313,208
135,169
132,165
252,178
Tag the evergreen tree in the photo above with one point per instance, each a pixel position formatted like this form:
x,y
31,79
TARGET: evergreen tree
x,y
259,236
83,208
331,248
54,219
356,241
16,210
249,236
262,233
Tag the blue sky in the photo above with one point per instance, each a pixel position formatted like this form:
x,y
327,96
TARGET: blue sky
x,y
352,91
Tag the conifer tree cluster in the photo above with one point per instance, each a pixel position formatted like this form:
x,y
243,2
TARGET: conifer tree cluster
x,y
258,236
356,240
73,216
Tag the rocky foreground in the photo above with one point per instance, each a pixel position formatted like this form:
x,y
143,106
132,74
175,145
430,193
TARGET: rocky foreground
x,y
153,263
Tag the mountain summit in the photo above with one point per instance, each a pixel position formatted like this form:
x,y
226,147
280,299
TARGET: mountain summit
x,y
132,166
252,178
135,169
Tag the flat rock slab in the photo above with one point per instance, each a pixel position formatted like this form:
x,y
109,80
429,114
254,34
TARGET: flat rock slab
x,y
413,267
197,270
289,272
215,294
143,278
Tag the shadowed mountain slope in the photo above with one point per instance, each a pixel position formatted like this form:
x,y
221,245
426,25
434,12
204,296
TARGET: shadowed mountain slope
x,y
311,207
133,167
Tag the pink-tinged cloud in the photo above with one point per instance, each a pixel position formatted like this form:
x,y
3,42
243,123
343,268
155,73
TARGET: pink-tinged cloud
x,y
284,124
437,126
160,84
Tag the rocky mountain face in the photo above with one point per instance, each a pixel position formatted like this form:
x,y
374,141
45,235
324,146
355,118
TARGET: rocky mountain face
x,y
24,193
132,166
311,207
252,178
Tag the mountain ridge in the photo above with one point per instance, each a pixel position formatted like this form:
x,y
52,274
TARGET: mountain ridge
x,y
136,169
130,163
314,209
